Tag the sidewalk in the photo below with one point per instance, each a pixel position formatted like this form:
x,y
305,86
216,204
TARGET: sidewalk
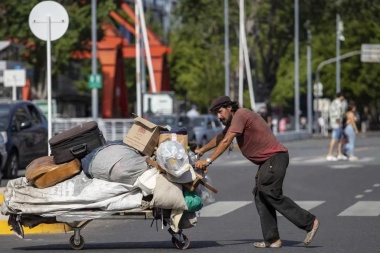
x,y
40,229
318,145
293,136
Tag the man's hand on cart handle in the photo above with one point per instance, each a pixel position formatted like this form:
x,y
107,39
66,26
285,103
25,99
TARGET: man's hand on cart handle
x,y
201,164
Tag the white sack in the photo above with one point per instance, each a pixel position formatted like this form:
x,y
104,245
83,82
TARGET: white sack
x,y
76,193
147,181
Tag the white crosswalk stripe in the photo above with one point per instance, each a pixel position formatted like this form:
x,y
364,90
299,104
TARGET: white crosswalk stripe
x,y
220,208
345,166
363,208
307,205
332,164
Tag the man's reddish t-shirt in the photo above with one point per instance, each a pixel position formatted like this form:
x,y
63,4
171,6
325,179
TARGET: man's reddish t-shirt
x,y
254,137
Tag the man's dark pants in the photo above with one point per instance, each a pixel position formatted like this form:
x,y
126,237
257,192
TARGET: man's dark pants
x,y
269,198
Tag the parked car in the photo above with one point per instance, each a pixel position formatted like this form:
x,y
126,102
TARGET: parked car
x,y
24,129
3,156
174,121
205,127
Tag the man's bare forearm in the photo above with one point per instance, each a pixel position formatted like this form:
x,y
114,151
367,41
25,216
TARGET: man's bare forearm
x,y
223,145
212,144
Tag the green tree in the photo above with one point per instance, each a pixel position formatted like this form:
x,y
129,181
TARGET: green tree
x,y
358,79
14,26
197,61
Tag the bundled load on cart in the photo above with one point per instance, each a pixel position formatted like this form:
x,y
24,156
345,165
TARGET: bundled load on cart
x,y
149,174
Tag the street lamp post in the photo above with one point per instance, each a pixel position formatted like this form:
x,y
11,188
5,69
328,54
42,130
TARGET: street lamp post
x,y
341,57
226,49
296,68
309,98
94,63
339,38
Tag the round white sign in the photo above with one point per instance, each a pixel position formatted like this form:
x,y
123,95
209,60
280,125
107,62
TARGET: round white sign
x,y
39,20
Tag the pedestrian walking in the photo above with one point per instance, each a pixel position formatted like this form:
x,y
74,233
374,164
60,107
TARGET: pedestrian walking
x,y
259,145
365,120
336,113
350,130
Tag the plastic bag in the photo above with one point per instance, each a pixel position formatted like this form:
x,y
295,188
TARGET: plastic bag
x,y
172,157
193,157
206,195
193,201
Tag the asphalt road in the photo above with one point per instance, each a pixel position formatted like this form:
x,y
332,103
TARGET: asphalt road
x,y
345,196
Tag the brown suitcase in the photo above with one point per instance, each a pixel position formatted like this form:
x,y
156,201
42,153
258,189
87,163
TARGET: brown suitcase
x,y
44,172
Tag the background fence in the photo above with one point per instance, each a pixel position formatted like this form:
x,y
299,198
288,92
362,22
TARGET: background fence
x,y
113,129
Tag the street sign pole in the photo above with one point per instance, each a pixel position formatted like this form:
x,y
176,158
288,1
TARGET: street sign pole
x,y
48,54
41,19
94,64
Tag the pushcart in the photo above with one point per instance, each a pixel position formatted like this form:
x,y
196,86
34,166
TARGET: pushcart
x,y
79,219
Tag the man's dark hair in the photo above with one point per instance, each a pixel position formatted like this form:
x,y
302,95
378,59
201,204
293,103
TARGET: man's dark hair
x,y
234,106
339,94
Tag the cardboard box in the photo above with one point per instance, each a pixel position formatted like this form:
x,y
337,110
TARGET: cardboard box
x,y
143,136
181,138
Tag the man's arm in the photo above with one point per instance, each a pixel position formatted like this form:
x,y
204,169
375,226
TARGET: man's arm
x,y
214,142
222,146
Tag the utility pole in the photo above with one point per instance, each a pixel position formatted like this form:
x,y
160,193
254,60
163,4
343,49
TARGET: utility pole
x,y
296,68
94,65
337,54
226,49
138,62
309,98
339,38
244,59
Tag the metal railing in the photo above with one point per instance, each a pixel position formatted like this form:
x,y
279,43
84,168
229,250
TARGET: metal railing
x,y
113,129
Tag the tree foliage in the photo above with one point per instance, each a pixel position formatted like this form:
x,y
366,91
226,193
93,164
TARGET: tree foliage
x,y
14,26
197,60
197,40
358,79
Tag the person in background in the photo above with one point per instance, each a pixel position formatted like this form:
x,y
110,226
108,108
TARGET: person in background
x,y
351,130
365,120
282,124
336,112
192,112
266,113
259,145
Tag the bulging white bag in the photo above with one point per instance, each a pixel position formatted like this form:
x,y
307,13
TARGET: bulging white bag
x,y
147,181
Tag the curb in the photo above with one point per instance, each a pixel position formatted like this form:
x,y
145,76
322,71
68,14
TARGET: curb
x,y
40,229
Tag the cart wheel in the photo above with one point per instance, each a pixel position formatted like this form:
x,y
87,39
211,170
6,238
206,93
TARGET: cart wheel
x,y
181,244
76,245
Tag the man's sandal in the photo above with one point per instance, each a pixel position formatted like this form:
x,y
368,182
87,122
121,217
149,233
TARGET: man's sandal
x,y
266,245
310,235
